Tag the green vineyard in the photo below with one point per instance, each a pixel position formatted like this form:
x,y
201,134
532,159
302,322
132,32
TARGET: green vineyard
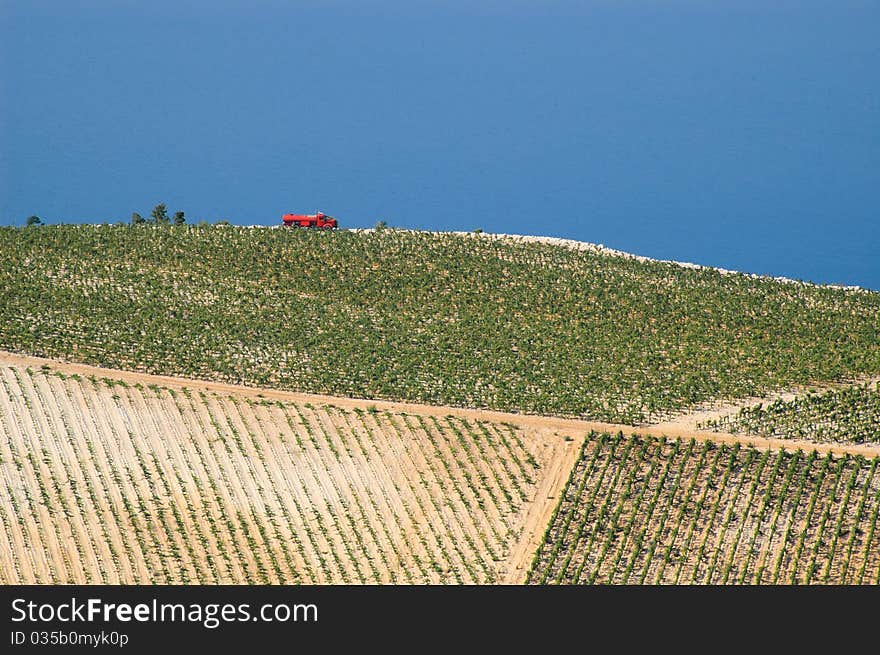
x,y
444,319
654,511
848,415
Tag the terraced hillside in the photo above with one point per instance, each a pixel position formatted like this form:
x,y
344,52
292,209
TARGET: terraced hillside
x,y
646,510
438,318
105,482
847,415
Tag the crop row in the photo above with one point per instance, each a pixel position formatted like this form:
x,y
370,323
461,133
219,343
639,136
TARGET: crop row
x,y
651,510
849,414
440,318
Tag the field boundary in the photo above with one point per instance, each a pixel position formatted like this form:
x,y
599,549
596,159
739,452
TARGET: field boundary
x,y
539,513
562,425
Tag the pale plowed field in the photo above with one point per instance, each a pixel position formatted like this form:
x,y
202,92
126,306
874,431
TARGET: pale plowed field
x,y
109,482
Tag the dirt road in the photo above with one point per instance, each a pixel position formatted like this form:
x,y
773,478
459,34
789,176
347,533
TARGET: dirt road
x,y
682,427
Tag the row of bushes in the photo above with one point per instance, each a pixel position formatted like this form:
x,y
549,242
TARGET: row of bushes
x,y
158,216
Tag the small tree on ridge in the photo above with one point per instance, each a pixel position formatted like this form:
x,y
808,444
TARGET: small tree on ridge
x,y
160,213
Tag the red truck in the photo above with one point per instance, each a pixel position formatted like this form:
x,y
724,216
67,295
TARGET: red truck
x,y
319,220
